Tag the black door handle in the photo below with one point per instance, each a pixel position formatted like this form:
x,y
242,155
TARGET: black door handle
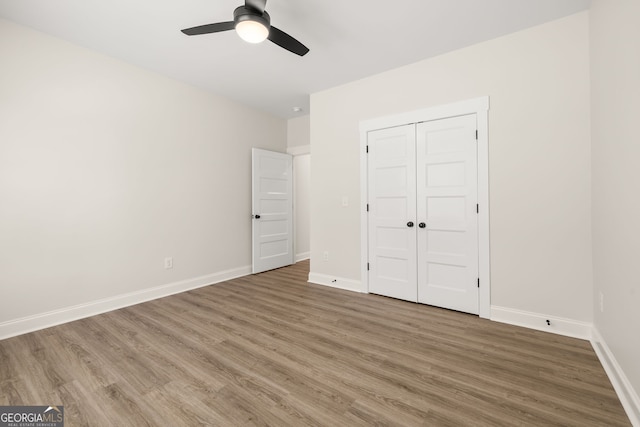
x,y
410,224
422,225
256,216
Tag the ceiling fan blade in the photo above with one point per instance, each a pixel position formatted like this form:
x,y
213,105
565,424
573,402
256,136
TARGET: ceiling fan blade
x,y
284,40
258,5
209,28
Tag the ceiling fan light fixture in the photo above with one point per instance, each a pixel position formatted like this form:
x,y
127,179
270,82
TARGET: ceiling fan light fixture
x,y
253,24
252,31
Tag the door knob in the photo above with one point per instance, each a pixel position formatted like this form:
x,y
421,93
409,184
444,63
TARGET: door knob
x,y
256,216
422,225
410,224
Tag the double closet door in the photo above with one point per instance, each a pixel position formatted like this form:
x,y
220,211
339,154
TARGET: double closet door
x,y
422,218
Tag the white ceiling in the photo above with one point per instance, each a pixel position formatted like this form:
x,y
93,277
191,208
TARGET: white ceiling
x,y
348,39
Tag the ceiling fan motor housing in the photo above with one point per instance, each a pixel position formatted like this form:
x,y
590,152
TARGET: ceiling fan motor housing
x,y
243,13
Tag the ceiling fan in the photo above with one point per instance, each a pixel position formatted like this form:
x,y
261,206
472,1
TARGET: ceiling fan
x,y
253,24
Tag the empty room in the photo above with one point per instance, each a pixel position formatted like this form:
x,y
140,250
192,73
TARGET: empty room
x,y
234,213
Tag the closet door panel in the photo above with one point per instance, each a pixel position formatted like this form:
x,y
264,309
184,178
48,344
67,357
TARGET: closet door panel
x,y
447,194
392,213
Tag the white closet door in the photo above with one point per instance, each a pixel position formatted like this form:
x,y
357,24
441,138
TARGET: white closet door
x,y
392,208
447,194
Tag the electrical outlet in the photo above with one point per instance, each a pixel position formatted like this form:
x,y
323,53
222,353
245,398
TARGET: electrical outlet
x,y
325,256
601,302
168,262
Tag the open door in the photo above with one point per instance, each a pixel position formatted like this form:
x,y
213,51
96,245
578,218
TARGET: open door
x,y
272,205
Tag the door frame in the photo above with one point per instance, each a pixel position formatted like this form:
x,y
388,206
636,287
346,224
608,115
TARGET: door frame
x,y
479,107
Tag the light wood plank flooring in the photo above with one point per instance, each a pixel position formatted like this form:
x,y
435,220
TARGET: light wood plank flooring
x,y
271,349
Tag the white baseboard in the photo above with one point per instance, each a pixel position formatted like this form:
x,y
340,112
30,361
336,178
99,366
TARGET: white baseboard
x,y
39,321
626,393
302,256
335,282
558,325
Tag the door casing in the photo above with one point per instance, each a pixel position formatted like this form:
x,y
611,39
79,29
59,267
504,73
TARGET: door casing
x,y
478,106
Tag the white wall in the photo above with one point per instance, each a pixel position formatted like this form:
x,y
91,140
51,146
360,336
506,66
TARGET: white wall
x,y
298,142
539,148
302,202
615,107
299,132
105,169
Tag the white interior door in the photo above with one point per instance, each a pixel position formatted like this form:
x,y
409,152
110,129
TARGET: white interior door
x,y
447,195
392,209
272,205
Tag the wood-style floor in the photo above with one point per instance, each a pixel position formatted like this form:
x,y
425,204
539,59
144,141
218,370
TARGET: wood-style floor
x,y
271,349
